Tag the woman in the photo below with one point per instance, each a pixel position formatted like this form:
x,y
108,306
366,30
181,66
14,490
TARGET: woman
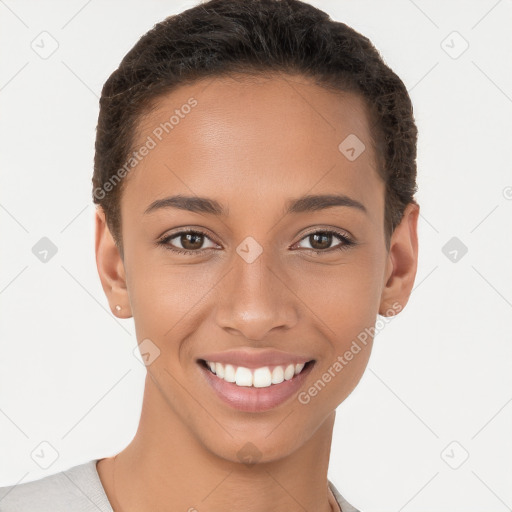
x,y
254,180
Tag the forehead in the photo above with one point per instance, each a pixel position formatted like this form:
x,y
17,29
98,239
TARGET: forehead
x,y
240,139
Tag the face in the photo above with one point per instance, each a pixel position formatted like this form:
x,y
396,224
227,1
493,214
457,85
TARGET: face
x,y
259,269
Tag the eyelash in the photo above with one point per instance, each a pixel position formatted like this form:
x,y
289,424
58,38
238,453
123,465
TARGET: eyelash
x,y
347,242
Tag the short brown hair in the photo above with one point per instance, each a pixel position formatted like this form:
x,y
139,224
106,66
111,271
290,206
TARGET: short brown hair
x,y
220,37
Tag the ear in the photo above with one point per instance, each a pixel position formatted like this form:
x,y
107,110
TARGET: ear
x,y
402,263
111,268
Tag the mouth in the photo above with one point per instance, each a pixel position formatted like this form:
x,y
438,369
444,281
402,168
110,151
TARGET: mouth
x,y
262,377
254,389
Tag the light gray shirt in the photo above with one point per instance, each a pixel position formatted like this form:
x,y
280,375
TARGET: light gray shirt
x,y
77,489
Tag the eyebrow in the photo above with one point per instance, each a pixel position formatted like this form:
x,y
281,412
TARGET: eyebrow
x,y
302,204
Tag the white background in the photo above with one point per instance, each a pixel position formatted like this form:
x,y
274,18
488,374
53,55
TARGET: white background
x,y
439,372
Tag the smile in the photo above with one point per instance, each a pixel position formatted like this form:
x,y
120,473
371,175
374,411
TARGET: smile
x,y
262,377
254,390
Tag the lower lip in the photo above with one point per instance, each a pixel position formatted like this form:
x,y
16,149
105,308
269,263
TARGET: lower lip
x,y
251,399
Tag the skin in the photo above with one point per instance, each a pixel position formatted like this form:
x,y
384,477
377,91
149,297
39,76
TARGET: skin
x,y
251,145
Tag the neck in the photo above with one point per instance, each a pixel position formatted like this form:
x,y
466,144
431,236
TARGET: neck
x,y
166,464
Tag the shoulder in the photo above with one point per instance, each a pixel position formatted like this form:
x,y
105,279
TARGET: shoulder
x,y
342,502
77,488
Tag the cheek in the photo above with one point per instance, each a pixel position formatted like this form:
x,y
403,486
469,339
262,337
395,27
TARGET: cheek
x,y
345,308
345,297
344,313
168,299
164,296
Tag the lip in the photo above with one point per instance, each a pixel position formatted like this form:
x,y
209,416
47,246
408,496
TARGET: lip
x,y
251,399
255,358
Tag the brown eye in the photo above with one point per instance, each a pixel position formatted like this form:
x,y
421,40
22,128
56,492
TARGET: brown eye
x,y
191,241
321,241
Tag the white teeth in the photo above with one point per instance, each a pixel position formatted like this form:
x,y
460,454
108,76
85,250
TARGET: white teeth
x,y
262,378
243,376
289,372
219,370
277,375
229,373
258,378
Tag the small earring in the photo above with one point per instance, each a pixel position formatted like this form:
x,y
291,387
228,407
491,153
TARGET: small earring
x,y
118,307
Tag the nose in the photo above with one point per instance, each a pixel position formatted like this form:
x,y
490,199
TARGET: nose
x,y
255,299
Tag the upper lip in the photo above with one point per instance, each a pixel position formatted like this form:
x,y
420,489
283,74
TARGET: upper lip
x,y
255,358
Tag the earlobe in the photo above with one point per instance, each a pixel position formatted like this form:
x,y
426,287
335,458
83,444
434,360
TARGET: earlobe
x,y
111,268
402,263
